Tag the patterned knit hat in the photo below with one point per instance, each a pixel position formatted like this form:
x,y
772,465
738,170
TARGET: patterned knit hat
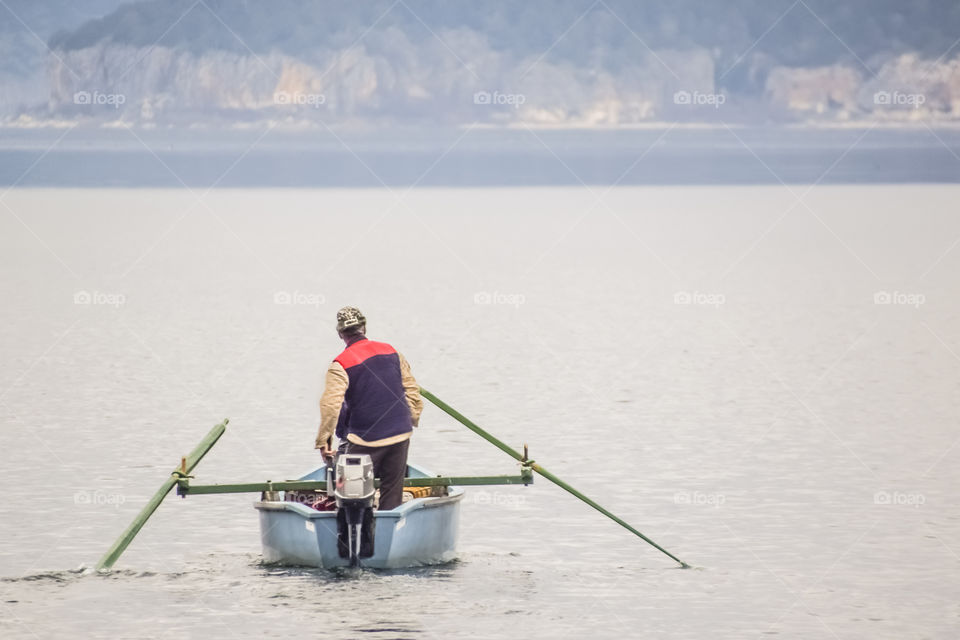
x,y
349,317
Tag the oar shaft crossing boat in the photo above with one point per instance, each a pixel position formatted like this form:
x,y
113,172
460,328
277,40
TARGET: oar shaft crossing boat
x,y
423,530
302,524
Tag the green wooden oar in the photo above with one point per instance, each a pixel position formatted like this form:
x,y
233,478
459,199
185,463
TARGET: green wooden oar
x,y
186,466
543,472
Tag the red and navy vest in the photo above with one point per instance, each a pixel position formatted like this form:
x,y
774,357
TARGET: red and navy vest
x,y
375,405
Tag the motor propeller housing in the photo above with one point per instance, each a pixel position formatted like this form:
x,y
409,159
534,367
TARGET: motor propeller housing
x,y
354,491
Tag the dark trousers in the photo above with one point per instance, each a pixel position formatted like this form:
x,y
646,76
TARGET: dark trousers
x,y
390,465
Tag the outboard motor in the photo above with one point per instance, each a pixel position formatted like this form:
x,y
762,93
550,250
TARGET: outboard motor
x,y
354,491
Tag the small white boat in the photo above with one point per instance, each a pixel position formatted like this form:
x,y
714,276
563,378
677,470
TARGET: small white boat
x,y
421,531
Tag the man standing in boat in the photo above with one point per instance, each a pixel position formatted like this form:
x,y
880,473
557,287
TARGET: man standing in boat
x,y
371,402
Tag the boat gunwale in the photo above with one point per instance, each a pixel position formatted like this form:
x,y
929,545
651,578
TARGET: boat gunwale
x,y
432,502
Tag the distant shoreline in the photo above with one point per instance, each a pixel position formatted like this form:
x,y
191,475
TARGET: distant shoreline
x,y
481,158
313,127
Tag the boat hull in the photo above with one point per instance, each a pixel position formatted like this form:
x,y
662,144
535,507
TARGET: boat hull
x,y
422,531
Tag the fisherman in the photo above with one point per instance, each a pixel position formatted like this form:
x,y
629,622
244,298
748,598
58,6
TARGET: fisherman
x,y
371,402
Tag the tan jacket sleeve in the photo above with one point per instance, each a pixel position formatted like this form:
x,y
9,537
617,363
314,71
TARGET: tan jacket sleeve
x,y
412,390
331,401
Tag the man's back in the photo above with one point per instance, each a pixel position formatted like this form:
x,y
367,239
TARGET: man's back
x,y
375,397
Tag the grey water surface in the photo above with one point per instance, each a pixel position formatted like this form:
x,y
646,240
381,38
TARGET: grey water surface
x,y
763,379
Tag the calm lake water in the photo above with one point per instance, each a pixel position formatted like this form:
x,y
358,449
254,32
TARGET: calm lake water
x,y
765,380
